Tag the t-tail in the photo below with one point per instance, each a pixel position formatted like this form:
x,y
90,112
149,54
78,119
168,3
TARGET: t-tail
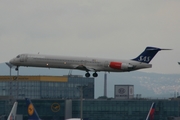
x,y
147,55
150,115
12,114
32,114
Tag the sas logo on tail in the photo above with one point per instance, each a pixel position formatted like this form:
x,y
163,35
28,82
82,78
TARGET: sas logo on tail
x,y
144,58
30,109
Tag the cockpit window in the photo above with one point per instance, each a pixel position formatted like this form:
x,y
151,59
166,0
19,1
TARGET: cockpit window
x,y
18,56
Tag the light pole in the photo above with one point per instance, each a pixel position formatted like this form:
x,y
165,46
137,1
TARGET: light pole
x,y
10,66
81,88
105,84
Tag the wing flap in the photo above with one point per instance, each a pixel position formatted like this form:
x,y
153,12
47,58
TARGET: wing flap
x,y
85,68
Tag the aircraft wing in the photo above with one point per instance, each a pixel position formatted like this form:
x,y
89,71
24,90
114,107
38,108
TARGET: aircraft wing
x,y
85,68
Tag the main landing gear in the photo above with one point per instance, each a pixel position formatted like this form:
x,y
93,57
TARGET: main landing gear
x,y
88,74
95,74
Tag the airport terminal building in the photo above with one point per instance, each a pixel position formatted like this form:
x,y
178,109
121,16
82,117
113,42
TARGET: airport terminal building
x,y
46,87
96,109
58,98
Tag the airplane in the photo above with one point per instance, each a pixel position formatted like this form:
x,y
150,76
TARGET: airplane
x,y
150,115
85,63
12,114
32,114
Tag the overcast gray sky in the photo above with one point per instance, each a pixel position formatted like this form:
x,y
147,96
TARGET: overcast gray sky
x,y
119,29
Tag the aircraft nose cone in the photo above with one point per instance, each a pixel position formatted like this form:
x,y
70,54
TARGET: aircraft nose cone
x,y
11,61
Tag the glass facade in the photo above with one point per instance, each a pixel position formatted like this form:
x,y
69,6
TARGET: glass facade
x,y
38,88
125,110
98,109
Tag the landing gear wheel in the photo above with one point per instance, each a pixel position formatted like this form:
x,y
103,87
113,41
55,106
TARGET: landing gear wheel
x,y
95,74
87,74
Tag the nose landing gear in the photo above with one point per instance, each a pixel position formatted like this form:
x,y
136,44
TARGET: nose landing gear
x,y
17,68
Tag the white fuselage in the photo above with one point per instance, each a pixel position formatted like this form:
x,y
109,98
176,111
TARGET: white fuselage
x,y
81,63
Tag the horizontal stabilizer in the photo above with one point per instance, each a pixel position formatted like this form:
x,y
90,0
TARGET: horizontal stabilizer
x,y
154,48
166,49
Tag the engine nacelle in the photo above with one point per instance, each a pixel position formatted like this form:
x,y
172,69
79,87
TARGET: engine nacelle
x,y
120,66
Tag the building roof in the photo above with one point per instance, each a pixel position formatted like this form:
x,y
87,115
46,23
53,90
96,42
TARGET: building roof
x,y
35,78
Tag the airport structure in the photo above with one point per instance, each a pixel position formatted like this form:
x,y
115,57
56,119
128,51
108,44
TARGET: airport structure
x,y
124,92
58,98
46,87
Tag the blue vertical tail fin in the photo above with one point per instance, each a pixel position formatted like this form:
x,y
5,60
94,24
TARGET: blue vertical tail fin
x,y
150,115
147,55
32,114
